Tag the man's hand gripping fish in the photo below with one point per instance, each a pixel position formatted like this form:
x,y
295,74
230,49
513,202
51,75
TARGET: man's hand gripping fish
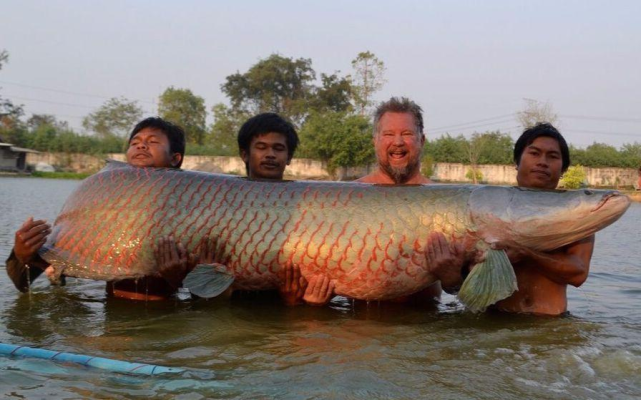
x,y
368,239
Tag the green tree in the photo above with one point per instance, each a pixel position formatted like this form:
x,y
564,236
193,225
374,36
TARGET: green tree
x,y
598,155
475,147
37,120
224,131
474,175
498,149
335,94
275,84
369,78
631,155
574,177
43,138
339,139
447,149
185,109
116,117
427,165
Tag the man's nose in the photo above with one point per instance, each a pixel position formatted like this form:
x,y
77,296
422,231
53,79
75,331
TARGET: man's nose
x,y
398,140
542,162
270,153
141,145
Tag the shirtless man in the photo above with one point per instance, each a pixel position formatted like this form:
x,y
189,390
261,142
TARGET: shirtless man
x,y
398,143
541,156
152,143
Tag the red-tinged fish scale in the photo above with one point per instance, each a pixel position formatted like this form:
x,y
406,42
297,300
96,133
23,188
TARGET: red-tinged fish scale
x,y
364,237
122,213
134,229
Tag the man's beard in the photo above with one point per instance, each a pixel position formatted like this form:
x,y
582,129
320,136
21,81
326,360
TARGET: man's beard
x,y
400,175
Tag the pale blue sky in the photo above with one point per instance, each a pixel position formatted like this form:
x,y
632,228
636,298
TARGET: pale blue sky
x,y
462,61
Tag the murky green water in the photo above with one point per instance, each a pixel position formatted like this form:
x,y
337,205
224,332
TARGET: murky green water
x,y
256,348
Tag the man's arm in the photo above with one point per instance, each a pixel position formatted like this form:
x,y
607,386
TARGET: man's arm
x,y
24,264
568,265
447,261
20,274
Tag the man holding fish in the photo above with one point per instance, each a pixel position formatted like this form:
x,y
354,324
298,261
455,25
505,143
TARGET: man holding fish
x,y
541,155
266,144
152,143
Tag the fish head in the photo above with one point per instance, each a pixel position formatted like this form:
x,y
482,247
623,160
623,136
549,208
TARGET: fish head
x,y
543,219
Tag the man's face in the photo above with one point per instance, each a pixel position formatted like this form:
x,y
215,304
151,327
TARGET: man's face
x,y
541,164
150,148
398,145
267,157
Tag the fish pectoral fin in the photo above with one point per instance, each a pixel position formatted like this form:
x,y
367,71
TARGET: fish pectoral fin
x,y
57,278
206,281
489,281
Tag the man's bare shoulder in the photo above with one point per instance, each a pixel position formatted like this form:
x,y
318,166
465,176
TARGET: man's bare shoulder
x,y
371,178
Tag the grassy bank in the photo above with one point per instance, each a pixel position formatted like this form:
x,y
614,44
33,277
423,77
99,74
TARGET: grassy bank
x,y
60,175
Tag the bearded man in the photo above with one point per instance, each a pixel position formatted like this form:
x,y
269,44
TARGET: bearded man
x,y
398,142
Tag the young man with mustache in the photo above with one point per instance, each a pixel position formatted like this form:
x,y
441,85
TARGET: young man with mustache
x,y
542,156
267,144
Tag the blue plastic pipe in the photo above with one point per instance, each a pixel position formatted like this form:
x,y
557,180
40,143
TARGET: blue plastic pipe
x,y
88,361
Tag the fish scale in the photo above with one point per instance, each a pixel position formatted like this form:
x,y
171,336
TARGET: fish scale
x,y
369,239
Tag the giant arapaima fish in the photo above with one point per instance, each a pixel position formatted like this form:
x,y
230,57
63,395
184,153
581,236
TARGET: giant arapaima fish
x,y
369,239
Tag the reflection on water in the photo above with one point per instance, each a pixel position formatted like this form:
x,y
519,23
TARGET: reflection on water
x,y
256,348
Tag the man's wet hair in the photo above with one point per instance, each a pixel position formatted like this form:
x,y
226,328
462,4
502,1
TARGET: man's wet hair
x,y
174,133
267,123
546,130
399,105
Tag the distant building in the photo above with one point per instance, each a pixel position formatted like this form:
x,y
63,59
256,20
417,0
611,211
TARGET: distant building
x,y
13,158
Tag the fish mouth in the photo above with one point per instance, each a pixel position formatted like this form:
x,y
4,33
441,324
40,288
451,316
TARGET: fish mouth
x,y
606,198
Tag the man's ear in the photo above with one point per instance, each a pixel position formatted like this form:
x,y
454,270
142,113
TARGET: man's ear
x,y
176,159
422,140
244,156
289,160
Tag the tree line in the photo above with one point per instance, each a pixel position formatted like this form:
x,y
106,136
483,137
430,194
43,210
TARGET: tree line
x,y
330,112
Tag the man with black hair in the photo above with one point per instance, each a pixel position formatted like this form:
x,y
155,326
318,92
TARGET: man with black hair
x,y
267,143
153,142
541,156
